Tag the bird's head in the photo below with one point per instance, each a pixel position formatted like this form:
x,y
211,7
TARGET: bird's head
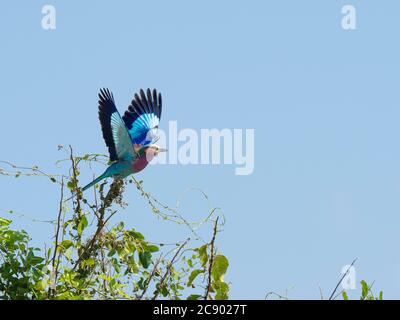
x,y
152,151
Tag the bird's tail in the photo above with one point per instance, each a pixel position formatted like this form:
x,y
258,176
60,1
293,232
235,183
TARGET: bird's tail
x,y
97,180
91,184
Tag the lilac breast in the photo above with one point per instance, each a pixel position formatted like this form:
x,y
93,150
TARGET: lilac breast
x,y
140,164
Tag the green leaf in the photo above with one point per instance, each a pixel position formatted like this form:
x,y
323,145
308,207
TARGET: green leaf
x,y
194,297
162,289
203,255
345,296
136,235
381,295
41,285
82,225
220,265
70,185
222,290
66,244
105,277
120,226
145,259
112,252
116,265
193,276
132,265
152,248
34,260
364,289
89,262
4,222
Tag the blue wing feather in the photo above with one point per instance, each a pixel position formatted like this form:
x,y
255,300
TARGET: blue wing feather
x,y
143,116
115,133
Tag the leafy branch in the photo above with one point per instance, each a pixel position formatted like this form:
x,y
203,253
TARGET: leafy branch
x,y
90,259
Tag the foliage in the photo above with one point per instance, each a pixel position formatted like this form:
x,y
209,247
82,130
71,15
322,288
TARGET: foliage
x,y
366,292
20,268
91,258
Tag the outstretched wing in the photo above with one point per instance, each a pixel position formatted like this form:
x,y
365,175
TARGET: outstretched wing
x,y
115,133
143,116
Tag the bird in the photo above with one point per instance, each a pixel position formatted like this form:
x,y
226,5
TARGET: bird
x,y
130,139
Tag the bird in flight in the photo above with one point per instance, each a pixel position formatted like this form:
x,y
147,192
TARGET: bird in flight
x,y
130,139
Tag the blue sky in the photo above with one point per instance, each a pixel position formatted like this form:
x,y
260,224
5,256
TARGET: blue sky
x,y
324,103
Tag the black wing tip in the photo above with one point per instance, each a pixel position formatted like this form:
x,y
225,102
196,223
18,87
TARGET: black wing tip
x,y
151,98
106,108
144,101
106,94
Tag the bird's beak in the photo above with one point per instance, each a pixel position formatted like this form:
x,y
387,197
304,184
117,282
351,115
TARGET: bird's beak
x,y
162,150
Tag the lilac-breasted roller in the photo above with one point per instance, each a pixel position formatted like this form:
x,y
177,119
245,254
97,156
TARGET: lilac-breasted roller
x,y
130,139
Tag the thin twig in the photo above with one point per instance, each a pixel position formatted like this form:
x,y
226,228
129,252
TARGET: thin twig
x,y
35,171
321,293
341,279
212,254
338,294
89,246
275,294
111,195
150,278
175,216
27,217
75,182
169,269
60,210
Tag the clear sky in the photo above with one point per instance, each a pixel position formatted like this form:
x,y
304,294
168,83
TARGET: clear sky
x,y
324,103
